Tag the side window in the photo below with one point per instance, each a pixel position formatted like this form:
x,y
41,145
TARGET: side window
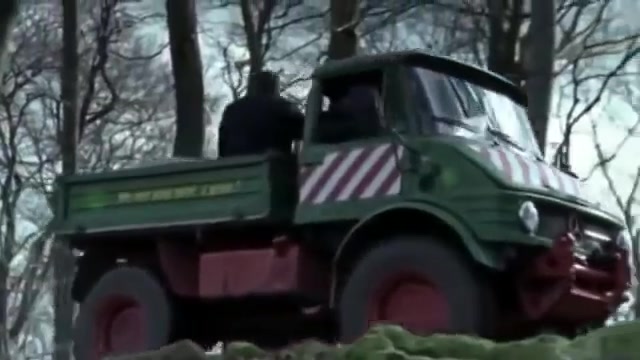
x,y
352,108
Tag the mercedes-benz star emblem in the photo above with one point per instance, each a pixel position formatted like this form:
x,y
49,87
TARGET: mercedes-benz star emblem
x,y
574,226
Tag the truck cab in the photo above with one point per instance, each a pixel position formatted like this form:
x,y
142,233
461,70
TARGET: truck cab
x,y
418,196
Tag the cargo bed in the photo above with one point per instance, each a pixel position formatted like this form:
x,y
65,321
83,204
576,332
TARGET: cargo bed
x,y
183,193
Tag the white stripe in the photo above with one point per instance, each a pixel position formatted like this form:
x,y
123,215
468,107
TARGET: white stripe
x,y
380,177
559,181
560,176
336,176
575,186
528,171
315,176
535,173
579,187
395,187
362,171
494,156
571,185
517,173
551,176
533,180
565,182
543,175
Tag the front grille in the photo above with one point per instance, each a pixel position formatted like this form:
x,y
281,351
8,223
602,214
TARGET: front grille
x,y
591,234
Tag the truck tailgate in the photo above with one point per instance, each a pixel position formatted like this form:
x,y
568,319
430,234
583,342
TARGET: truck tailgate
x,y
177,194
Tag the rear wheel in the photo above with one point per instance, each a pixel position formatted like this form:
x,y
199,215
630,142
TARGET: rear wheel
x,y
420,283
127,311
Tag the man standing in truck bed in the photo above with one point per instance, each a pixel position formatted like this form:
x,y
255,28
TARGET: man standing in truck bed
x,y
260,121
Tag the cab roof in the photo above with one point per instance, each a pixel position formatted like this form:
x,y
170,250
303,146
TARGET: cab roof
x,y
441,64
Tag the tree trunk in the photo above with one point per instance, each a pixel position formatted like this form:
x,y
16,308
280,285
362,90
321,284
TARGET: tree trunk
x,y
345,17
8,13
635,260
63,261
505,21
187,76
255,19
541,39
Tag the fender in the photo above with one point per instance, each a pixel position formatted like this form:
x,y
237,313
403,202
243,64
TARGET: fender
x,y
482,254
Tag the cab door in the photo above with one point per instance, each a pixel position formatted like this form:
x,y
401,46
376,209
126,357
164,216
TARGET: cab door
x,y
348,176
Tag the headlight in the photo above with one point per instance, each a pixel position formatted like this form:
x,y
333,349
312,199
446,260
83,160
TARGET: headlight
x,y
623,241
528,214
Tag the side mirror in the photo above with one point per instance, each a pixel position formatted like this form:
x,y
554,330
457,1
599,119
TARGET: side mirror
x,y
563,164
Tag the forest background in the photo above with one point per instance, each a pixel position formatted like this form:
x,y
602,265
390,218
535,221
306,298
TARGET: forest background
x,y
86,83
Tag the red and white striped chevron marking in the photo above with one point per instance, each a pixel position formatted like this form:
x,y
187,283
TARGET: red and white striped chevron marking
x,y
529,172
354,174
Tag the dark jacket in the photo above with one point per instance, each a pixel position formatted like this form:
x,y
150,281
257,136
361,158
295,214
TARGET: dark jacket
x,y
355,116
256,124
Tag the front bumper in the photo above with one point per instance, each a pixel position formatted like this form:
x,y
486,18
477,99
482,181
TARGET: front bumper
x,y
559,287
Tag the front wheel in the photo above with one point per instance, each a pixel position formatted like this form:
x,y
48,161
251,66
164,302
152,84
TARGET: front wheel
x,y
127,311
422,284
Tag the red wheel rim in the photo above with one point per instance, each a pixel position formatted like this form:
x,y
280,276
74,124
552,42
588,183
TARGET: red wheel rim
x,y
119,327
412,301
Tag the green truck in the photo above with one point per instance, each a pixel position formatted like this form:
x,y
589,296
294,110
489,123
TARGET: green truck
x,y
439,215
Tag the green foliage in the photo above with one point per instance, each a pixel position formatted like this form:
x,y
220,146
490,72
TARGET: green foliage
x,y
393,343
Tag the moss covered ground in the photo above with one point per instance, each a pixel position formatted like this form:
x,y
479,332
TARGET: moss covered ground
x,y
619,342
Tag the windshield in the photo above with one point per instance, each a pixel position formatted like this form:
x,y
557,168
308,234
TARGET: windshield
x,y
464,109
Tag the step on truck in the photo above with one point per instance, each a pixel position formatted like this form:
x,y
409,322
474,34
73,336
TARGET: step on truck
x,y
436,212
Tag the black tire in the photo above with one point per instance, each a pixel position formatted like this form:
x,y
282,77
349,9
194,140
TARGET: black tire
x,y
132,283
453,273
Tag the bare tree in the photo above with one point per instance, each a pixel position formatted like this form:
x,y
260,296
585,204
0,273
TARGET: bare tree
x,y
591,52
123,118
281,36
23,261
538,66
20,278
595,58
23,264
289,37
187,75
275,34
345,17
63,260
8,12
255,18
589,55
626,201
